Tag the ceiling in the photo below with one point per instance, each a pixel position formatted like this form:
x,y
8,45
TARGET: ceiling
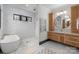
x,y
52,6
29,7
32,7
58,7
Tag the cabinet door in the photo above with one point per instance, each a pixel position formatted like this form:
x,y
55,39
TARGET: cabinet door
x,y
61,39
51,22
74,16
72,43
53,36
72,40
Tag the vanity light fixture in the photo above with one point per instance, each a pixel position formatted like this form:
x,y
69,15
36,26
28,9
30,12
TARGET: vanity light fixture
x,y
65,12
62,12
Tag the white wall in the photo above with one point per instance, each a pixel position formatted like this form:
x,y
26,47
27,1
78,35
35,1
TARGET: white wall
x,y
1,30
24,29
10,26
43,13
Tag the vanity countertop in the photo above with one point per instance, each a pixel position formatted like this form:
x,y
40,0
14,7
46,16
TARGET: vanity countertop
x,y
66,33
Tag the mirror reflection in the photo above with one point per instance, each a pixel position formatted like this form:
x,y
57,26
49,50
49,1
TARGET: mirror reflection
x,y
63,21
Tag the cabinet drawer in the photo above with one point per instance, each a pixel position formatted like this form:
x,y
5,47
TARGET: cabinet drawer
x,y
76,44
71,38
53,38
76,39
61,38
52,34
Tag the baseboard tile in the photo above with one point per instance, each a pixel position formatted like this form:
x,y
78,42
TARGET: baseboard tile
x,y
40,43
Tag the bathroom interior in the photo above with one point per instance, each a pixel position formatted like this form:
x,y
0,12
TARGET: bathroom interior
x,y
39,28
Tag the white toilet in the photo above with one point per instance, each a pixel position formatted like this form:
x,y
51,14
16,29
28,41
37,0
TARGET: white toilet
x,y
10,43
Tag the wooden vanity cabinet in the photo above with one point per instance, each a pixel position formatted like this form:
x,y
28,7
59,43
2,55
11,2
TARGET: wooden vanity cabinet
x,y
68,39
53,36
56,36
71,40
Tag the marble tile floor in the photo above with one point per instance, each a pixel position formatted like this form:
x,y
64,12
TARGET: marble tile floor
x,y
27,46
51,47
